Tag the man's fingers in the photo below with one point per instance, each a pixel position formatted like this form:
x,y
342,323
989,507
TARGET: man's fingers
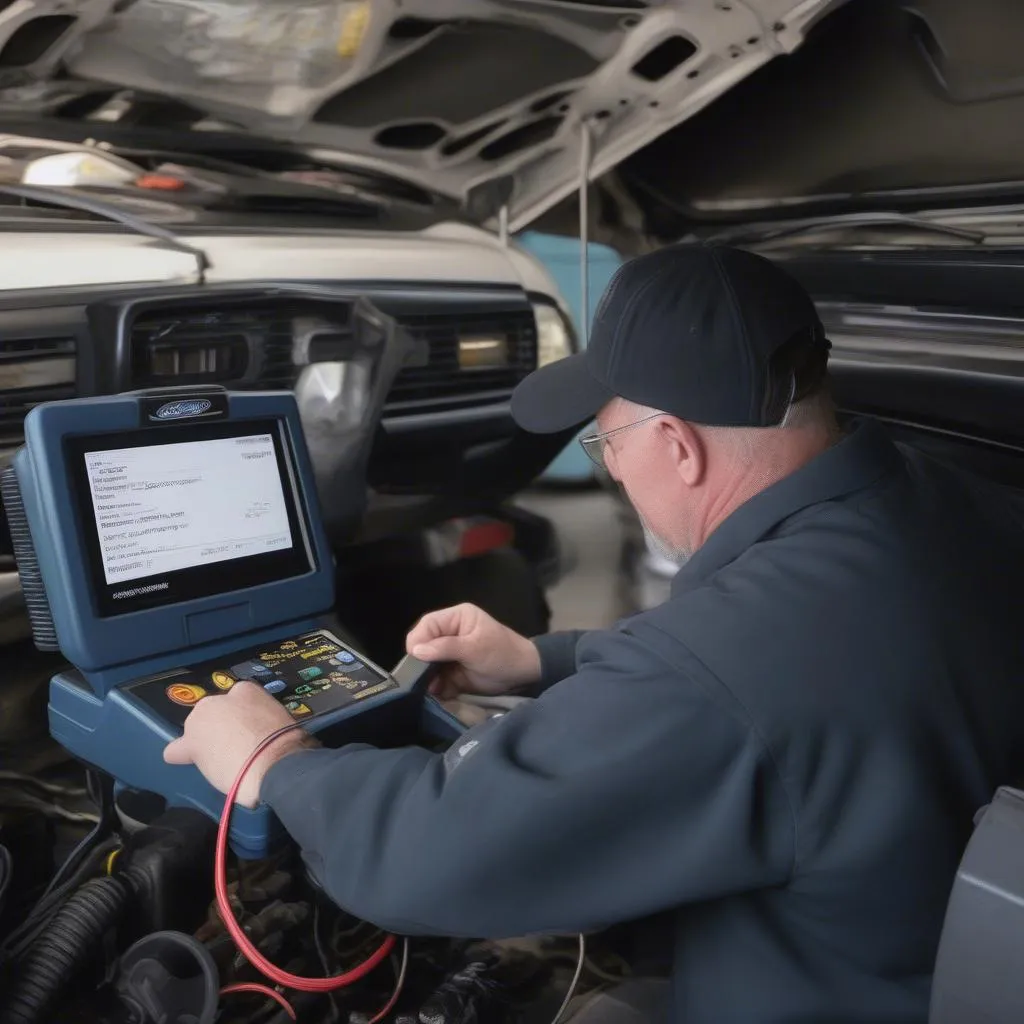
x,y
452,621
241,688
444,648
430,627
176,752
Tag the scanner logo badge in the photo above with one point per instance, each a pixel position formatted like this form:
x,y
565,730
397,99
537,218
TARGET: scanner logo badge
x,y
183,408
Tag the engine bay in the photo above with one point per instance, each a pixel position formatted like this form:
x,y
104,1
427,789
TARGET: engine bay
x,y
127,930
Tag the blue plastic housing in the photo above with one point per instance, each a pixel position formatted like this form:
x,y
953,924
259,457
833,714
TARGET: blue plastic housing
x,y
92,714
110,650
125,739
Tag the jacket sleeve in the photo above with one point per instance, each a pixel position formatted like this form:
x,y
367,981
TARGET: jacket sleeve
x,y
557,658
627,789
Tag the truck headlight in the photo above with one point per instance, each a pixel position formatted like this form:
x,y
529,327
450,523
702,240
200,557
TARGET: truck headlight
x,y
556,338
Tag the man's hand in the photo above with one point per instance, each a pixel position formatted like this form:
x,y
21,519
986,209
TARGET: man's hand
x,y
222,731
480,654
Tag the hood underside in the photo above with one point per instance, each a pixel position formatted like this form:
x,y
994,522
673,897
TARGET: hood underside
x,y
909,105
490,102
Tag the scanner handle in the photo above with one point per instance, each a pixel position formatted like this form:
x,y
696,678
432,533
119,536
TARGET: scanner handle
x,y
413,675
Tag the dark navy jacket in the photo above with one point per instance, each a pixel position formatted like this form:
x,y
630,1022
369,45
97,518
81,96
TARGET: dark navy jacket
x,y
787,754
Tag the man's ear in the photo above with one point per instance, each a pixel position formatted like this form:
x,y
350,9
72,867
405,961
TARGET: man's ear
x,y
687,450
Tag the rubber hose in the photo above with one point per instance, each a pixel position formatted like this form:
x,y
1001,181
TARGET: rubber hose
x,y
55,958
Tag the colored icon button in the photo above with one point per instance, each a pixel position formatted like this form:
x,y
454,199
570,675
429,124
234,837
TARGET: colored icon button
x,y
222,680
297,708
306,674
275,686
186,694
250,670
346,657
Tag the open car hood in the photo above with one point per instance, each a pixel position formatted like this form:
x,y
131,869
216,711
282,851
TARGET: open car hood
x,y
889,106
492,102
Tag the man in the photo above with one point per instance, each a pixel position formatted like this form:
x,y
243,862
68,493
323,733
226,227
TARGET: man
x,y
787,755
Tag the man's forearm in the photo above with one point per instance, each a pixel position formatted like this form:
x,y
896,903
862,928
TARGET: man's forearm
x,y
491,838
342,807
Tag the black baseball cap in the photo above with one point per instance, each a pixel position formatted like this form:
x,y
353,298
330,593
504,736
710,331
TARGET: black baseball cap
x,y
689,330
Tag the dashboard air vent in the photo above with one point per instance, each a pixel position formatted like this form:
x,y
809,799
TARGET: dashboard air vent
x,y
32,371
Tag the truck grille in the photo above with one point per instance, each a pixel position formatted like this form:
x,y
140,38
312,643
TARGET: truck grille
x,y
251,347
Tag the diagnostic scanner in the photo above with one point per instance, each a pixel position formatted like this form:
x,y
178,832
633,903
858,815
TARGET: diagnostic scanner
x,y
170,544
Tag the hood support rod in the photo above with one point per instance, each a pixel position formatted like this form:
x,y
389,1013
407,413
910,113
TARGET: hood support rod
x,y
503,225
585,158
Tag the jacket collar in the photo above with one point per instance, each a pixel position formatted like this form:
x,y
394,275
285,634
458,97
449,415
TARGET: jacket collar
x,y
861,458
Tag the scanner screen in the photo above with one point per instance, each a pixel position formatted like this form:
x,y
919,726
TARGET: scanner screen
x,y
175,513
186,505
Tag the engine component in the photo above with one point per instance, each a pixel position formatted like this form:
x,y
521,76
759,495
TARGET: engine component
x,y
169,978
282,977
491,982
58,955
171,862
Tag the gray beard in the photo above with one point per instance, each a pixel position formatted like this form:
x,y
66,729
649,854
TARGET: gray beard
x,y
662,548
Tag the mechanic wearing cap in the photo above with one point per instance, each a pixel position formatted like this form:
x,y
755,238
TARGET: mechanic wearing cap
x,y
785,757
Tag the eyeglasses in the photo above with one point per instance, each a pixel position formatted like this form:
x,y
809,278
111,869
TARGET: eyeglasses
x,y
593,444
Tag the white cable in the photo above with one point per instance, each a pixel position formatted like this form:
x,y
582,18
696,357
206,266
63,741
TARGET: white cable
x,y
399,985
322,955
575,981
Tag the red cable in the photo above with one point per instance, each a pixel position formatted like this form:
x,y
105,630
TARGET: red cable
x,y
263,990
247,949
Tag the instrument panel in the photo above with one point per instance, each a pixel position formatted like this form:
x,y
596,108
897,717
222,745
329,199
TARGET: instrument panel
x,y
310,674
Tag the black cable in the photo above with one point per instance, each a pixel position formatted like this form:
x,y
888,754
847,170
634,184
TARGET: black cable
x,y
51,788
23,801
15,944
75,867
74,859
56,957
102,796
302,1002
